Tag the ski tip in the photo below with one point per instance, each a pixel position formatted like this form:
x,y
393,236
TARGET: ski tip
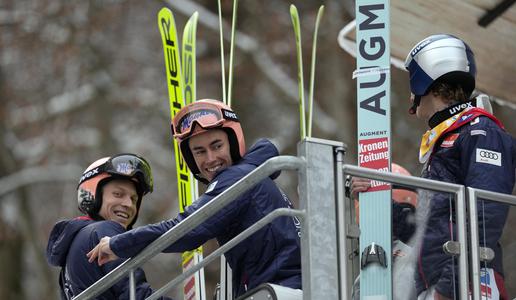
x,y
164,10
193,19
321,10
293,9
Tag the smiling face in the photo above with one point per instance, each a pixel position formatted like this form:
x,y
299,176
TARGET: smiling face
x,y
211,153
119,200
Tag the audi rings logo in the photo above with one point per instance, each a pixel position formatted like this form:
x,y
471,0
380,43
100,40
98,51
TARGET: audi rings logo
x,y
489,157
488,154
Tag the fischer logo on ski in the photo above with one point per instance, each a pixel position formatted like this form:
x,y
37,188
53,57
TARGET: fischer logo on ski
x,y
181,88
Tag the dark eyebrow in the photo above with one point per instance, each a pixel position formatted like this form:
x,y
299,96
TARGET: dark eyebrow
x,y
215,142
211,144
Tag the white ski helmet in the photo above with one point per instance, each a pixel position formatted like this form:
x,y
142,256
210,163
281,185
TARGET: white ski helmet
x,y
121,166
440,57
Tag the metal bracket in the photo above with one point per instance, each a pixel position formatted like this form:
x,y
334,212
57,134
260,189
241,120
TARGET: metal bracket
x,y
373,253
453,248
353,231
486,254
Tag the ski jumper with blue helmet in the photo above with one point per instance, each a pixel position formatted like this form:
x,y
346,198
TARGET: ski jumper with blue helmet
x,y
440,57
465,145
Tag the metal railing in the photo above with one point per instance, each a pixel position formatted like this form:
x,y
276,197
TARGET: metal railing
x,y
461,211
473,195
269,167
324,225
433,185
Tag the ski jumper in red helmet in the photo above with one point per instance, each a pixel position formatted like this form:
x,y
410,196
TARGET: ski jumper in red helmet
x,y
201,116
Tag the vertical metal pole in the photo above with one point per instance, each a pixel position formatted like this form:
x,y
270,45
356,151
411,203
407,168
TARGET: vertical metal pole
x,y
226,280
344,270
474,243
132,286
463,241
319,231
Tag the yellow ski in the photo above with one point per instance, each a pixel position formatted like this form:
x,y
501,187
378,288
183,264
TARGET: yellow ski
x,y
176,92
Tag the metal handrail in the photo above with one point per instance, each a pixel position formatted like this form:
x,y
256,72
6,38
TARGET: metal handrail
x,y
269,167
433,185
280,212
473,195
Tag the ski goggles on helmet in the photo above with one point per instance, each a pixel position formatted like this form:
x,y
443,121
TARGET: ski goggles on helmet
x,y
206,115
126,165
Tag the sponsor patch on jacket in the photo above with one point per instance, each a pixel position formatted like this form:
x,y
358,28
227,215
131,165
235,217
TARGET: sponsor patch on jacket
x,y
489,157
449,140
477,119
478,132
211,187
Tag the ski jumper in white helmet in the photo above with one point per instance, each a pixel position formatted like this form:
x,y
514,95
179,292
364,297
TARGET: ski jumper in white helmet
x,y
440,57
464,145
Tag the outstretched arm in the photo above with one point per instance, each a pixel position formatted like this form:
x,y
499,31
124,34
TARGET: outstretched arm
x,y
102,252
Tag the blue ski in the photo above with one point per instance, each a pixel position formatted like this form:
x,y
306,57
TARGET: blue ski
x,y
373,106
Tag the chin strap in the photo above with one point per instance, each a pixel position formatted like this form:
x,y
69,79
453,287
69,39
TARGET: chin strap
x,y
415,104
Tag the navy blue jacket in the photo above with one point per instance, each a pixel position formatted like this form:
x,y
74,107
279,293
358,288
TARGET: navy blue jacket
x,y
478,154
68,244
270,255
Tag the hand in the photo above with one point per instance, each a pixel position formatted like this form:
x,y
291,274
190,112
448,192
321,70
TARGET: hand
x,y
102,252
359,185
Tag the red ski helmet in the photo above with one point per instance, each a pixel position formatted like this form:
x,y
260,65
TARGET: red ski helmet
x,y
402,194
121,166
201,116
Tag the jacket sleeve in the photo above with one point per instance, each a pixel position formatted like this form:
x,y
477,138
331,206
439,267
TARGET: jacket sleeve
x,y
121,289
486,163
493,173
132,242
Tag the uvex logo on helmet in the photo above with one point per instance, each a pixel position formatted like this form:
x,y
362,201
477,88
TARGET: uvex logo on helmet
x,y
89,174
230,115
420,46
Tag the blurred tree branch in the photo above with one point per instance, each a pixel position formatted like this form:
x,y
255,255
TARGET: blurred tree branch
x,y
38,174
